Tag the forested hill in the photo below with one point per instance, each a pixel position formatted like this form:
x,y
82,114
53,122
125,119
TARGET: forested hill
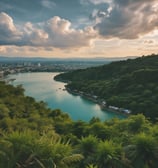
x,y
131,84
34,136
113,70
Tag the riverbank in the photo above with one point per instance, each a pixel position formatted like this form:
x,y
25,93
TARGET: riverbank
x,y
42,87
101,102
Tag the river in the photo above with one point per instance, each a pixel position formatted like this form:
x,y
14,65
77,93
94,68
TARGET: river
x,y
43,87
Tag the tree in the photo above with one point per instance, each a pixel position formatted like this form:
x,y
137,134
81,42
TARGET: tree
x,y
78,128
143,152
138,123
110,155
28,149
88,147
99,130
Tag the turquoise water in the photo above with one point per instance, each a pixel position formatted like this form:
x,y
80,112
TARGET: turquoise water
x,y
42,86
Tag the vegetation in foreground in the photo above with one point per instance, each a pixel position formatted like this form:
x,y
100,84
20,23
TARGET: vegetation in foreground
x,y
34,136
131,84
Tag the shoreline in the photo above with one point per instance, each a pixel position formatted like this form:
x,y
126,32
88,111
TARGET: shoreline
x,y
100,102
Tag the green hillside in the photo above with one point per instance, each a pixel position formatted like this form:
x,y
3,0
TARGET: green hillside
x,y
34,136
131,84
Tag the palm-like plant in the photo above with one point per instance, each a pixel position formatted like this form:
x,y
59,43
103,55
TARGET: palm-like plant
x,y
143,152
88,147
92,166
27,149
55,152
110,155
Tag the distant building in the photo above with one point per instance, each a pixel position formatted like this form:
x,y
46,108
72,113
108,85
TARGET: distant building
x,y
104,103
114,108
126,111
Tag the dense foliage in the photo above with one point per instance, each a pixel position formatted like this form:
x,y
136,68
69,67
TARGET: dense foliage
x,y
34,136
131,84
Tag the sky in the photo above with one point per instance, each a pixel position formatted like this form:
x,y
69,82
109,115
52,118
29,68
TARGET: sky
x,y
78,28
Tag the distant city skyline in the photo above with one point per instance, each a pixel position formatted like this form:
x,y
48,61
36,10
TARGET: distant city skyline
x,y
78,28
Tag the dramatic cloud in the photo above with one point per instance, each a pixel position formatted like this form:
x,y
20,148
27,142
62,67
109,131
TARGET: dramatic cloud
x,y
127,19
78,27
55,32
63,36
8,32
33,36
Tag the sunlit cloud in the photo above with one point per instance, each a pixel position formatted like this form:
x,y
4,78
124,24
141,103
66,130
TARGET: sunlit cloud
x,y
55,32
61,35
104,28
8,32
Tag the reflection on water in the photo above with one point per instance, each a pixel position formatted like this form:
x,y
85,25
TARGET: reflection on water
x,y
42,86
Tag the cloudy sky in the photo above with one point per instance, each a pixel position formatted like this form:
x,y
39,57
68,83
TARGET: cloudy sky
x,y
78,28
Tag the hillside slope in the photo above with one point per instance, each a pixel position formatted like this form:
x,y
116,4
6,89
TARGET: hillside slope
x,y
130,84
34,136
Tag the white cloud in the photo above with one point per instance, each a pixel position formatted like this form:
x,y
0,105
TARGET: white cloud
x,y
33,36
55,32
95,2
48,4
8,31
114,23
61,35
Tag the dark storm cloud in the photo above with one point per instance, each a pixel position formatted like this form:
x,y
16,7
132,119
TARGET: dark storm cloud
x,y
129,19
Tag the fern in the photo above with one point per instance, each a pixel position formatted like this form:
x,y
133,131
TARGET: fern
x,y
92,166
72,158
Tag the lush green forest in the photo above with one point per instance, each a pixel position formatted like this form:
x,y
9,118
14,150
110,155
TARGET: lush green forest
x,y
131,84
34,136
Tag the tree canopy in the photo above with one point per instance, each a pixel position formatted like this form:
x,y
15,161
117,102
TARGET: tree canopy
x,y
34,136
130,84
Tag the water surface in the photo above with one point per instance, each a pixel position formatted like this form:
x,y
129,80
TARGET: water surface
x,y
43,87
